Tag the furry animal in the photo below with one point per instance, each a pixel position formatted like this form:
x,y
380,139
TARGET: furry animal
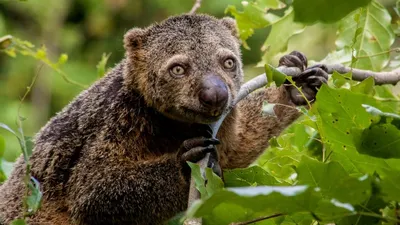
x,y
117,153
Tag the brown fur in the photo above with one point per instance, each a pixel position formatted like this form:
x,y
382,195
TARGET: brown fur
x,y
110,157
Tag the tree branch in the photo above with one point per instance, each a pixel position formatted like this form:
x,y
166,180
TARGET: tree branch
x,y
195,7
391,77
260,81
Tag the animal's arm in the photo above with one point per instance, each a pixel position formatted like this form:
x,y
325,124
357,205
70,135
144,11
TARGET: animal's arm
x,y
253,129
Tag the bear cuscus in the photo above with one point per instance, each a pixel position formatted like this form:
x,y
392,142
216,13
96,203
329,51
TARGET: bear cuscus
x,y
117,153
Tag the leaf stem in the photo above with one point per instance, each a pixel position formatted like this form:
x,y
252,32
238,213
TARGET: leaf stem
x,y
258,219
378,54
27,177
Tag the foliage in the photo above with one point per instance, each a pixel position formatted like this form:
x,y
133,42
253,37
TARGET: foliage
x,y
340,162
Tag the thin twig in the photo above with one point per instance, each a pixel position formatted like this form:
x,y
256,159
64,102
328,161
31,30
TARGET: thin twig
x,y
258,219
27,176
195,7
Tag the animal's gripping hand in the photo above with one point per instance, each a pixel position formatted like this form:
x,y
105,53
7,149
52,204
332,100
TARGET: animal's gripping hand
x,y
310,80
195,149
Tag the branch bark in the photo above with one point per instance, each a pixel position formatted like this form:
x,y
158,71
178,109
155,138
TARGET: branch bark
x,y
260,81
391,77
195,7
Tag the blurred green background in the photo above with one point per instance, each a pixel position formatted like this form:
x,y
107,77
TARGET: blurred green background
x,y
85,29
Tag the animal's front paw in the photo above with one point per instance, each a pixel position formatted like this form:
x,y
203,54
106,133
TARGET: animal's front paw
x,y
195,149
309,80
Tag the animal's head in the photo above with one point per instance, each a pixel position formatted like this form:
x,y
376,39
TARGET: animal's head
x,y
187,67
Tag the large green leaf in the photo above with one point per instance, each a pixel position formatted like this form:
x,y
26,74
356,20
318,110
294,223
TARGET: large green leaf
x,y
278,38
341,119
383,138
333,181
246,203
253,16
373,35
380,140
341,116
214,183
327,11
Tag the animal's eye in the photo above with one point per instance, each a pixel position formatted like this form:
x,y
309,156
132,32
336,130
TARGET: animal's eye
x,y
229,64
177,70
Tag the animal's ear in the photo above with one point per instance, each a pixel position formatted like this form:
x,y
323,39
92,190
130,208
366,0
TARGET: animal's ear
x,y
134,38
230,23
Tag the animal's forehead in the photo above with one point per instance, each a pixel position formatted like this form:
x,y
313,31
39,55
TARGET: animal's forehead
x,y
192,41
190,33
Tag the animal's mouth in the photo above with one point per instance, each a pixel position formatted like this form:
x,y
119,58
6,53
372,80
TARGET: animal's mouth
x,y
187,114
206,116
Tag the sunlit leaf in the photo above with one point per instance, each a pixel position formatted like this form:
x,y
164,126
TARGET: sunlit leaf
x,y
251,17
375,36
274,75
278,38
101,66
5,42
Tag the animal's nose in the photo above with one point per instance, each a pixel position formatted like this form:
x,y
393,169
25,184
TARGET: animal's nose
x,y
214,92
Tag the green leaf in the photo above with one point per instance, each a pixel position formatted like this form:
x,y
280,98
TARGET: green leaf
x,y
326,11
383,139
376,36
41,53
5,42
390,186
2,149
340,56
18,222
214,182
33,201
2,125
333,181
252,17
278,38
252,176
269,4
365,87
198,178
62,59
7,167
341,120
101,66
274,75
341,116
376,112
246,203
